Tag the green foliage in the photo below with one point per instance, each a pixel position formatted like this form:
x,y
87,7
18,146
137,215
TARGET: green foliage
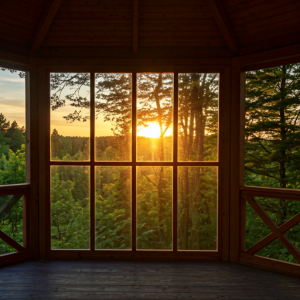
x,y
197,208
154,208
272,156
70,225
113,208
12,170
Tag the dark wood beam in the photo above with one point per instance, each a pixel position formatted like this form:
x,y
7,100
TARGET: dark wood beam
x,y
135,25
44,24
223,23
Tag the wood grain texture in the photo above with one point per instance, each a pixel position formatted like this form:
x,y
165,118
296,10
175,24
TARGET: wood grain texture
x,y
143,280
270,264
272,236
235,127
12,258
272,225
135,25
34,163
223,23
44,24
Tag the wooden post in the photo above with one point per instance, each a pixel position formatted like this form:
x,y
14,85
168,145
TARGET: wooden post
x,y
33,119
92,167
235,160
175,160
42,162
224,161
133,170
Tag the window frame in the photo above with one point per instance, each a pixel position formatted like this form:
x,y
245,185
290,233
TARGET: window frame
x,y
240,65
23,252
222,251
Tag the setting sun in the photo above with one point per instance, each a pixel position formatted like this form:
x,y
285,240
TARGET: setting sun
x,y
152,131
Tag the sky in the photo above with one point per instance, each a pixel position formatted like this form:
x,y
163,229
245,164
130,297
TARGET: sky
x,y
12,97
12,105
79,128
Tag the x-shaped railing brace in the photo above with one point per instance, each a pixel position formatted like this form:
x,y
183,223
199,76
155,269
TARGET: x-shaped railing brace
x,y
277,232
4,210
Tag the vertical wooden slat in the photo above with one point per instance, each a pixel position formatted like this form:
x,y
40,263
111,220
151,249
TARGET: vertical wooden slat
x,y
224,164
42,162
47,120
32,96
26,198
242,127
175,160
234,160
133,149
28,127
26,218
242,225
92,159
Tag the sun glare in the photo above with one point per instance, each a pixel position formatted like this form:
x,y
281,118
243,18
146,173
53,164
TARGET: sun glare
x,y
152,131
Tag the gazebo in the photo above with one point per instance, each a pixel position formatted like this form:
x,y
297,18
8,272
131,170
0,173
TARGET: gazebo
x,y
138,130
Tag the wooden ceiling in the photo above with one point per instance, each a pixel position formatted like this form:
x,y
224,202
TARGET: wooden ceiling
x,y
237,26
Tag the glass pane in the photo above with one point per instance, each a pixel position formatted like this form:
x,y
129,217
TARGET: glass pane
x,y
70,207
70,116
11,221
155,117
198,117
113,207
113,117
197,208
272,127
154,207
12,127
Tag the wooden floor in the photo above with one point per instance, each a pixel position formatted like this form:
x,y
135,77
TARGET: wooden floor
x,y
143,280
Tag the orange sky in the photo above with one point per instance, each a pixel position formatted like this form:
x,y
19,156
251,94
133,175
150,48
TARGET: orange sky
x,y
12,97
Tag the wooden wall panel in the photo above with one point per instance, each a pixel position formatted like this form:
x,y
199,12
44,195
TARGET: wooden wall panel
x,y
92,24
18,19
110,23
174,23
258,20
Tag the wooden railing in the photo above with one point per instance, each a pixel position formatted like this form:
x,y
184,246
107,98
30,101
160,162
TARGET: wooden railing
x,y
247,195
22,252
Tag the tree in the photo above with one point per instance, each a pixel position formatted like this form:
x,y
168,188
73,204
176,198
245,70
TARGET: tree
x,y
272,156
113,208
198,135
16,136
4,125
272,126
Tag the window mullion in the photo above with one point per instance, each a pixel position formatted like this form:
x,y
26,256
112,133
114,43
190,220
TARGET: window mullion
x,y
175,159
133,150
92,160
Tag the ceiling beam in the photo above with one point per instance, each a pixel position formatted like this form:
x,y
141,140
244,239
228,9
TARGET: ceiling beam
x,y
223,23
135,25
44,24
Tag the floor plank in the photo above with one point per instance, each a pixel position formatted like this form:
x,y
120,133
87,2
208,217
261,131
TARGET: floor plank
x,y
143,280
